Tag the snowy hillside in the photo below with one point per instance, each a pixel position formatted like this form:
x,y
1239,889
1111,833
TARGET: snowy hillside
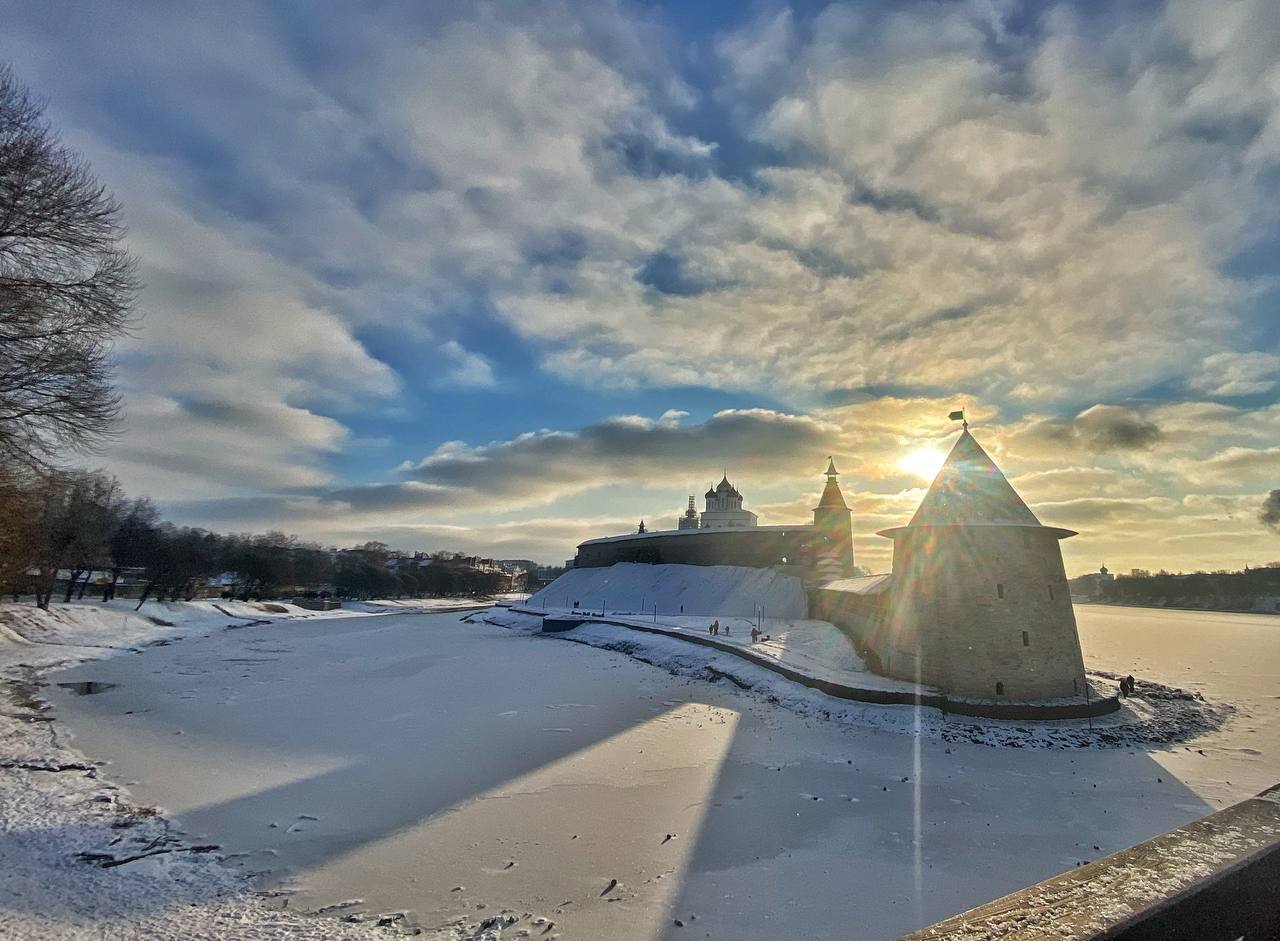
x,y
713,590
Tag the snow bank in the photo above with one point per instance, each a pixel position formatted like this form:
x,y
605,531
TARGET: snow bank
x,y
89,629
710,590
66,841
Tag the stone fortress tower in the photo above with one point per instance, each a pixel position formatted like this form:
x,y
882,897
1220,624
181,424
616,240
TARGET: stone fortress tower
x,y
978,601
832,544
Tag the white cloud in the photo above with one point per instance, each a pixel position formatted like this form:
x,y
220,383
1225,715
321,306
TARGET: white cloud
x,y
1230,374
1040,221
462,368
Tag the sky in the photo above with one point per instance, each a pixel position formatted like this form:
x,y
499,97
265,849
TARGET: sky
x,y
499,277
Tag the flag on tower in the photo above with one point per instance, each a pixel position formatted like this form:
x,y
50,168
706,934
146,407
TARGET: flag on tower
x,y
957,416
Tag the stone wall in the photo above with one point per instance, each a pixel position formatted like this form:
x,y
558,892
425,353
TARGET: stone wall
x,y
756,548
982,611
862,617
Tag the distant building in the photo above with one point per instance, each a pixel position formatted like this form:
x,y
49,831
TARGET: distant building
x,y
1091,585
724,508
727,534
690,518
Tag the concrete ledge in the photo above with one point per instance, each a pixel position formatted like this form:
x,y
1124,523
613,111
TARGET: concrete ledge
x,y
921,697
1215,878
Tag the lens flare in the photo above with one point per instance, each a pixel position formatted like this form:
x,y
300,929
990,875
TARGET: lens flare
x,y
922,462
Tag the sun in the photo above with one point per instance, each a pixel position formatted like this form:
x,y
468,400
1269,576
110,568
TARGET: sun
x,y
922,462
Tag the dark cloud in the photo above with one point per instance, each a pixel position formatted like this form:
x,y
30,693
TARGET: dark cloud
x,y
1101,428
539,467
545,464
1269,514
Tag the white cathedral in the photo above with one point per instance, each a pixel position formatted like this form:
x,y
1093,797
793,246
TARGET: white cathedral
x,y
724,510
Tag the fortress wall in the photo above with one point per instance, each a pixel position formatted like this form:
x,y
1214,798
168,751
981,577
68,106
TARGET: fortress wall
x,y
724,591
949,625
756,548
862,618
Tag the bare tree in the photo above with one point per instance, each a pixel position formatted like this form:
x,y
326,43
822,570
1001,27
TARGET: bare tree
x,y
73,516
18,534
65,289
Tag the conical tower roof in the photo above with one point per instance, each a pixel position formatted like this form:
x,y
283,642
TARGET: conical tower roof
x,y
970,490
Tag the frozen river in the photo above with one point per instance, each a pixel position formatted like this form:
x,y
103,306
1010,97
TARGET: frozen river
x,y
454,771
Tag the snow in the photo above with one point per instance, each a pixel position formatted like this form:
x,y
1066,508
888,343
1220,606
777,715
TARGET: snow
x,y
630,587
491,781
1159,714
35,637
815,648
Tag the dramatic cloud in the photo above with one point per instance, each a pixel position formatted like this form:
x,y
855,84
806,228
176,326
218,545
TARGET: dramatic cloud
x,y
377,235
1269,514
1098,429
542,465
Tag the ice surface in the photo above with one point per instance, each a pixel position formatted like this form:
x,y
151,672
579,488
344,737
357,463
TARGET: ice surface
x,y
433,755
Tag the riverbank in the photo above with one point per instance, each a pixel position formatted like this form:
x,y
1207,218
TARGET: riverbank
x,y
1266,605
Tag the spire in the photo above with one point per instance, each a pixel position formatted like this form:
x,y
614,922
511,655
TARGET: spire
x,y
831,495
969,489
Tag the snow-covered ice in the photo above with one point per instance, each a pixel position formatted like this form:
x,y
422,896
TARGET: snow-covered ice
x,y
471,776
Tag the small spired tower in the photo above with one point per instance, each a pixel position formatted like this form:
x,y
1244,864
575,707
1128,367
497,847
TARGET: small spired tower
x,y
832,545
690,518
979,604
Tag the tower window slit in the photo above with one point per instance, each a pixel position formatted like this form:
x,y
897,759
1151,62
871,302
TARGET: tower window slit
x,y
1050,592
999,689
1026,639
999,589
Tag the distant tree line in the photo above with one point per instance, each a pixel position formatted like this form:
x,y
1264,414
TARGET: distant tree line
x,y
1220,589
60,527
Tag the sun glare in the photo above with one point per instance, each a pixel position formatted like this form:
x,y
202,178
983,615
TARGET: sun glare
x,y
922,462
